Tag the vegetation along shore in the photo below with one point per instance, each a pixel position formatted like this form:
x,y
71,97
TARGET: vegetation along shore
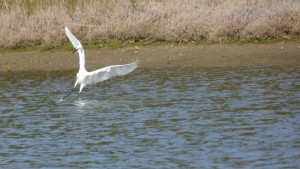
x,y
32,22
190,33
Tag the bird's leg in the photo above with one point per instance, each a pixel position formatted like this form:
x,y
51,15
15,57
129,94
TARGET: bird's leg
x,y
80,89
78,97
67,94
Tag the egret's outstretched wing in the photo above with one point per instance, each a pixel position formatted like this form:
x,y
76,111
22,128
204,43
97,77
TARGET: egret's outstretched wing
x,y
110,71
73,39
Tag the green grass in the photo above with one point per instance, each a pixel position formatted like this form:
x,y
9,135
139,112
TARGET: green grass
x,y
119,44
295,38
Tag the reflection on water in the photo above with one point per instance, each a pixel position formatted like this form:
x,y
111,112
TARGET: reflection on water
x,y
169,118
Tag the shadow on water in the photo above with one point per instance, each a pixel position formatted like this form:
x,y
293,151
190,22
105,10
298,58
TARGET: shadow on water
x,y
168,118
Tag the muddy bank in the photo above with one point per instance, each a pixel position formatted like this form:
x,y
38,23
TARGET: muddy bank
x,y
215,55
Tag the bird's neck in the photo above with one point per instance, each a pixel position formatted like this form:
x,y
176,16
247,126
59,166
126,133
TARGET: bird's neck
x,y
81,60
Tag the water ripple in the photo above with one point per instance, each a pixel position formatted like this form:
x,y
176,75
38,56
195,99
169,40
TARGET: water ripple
x,y
169,118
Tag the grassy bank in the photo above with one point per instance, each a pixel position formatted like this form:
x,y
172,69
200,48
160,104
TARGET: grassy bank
x,y
33,22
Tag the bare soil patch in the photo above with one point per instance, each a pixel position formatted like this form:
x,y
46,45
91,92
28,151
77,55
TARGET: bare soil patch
x,y
153,57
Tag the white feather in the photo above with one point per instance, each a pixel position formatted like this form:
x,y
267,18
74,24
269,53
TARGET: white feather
x,y
84,77
75,42
111,71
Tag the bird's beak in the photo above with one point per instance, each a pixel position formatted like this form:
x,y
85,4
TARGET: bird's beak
x,y
74,51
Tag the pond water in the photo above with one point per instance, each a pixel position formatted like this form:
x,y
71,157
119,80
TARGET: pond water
x,y
164,118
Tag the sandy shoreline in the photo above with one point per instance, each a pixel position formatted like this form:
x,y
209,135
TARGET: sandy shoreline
x,y
214,55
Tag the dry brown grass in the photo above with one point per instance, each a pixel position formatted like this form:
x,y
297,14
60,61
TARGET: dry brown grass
x,y
34,22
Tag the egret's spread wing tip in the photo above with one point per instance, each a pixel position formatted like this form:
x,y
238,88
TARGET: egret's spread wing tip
x,y
75,42
138,62
67,29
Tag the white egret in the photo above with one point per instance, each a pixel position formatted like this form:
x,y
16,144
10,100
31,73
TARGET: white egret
x,y
84,77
